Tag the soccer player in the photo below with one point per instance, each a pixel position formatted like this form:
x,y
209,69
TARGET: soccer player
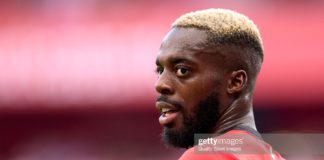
x,y
207,68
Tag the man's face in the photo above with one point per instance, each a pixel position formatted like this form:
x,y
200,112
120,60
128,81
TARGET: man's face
x,y
190,84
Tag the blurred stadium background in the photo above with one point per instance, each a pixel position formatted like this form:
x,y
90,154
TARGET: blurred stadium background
x,y
77,77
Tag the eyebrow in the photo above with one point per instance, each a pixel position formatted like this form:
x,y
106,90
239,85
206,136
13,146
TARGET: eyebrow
x,y
175,60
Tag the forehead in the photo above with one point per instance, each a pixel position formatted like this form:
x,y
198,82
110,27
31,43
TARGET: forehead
x,y
183,39
183,43
187,44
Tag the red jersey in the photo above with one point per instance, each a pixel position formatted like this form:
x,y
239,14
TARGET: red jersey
x,y
261,150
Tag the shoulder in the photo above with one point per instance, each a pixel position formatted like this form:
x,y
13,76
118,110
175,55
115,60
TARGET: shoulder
x,y
257,150
190,154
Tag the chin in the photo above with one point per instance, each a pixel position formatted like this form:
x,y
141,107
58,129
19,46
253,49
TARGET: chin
x,y
178,137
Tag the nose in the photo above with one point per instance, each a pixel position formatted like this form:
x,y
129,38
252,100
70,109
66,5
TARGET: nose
x,y
164,84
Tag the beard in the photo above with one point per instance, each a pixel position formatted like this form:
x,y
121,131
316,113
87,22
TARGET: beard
x,y
203,120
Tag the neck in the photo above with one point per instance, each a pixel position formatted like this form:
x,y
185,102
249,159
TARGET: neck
x,y
238,113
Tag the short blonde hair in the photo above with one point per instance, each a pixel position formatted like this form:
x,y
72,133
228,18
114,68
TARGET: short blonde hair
x,y
228,28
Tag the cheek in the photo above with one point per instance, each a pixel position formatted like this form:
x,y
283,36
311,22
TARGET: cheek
x,y
197,90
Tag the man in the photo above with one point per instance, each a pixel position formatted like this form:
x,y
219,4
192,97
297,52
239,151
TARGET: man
x,y
207,66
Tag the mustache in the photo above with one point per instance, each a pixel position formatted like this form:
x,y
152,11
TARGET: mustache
x,y
167,100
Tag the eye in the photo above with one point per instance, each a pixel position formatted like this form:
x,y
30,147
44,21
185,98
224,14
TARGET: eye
x,y
182,71
159,70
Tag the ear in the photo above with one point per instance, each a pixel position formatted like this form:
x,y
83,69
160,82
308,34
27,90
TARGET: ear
x,y
237,81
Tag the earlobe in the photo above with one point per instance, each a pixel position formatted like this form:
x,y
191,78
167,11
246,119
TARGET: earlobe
x,y
237,81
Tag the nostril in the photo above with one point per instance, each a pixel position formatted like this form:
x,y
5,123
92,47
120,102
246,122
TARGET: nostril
x,y
165,91
163,88
164,84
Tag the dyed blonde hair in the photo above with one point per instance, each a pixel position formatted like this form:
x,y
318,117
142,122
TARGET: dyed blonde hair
x,y
226,28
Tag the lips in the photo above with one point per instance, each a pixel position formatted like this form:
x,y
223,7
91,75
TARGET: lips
x,y
168,112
